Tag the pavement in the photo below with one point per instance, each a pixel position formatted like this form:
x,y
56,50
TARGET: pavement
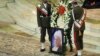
x,y
14,42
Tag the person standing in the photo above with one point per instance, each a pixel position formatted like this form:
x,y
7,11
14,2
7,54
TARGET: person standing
x,y
43,19
77,23
68,30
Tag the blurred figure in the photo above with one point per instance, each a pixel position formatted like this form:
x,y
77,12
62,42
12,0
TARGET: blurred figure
x,y
77,23
67,31
43,19
68,37
57,41
91,4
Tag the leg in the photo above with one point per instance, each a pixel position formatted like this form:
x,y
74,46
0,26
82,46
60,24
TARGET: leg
x,y
42,39
70,43
78,42
75,41
81,40
76,37
43,33
68,37
49,33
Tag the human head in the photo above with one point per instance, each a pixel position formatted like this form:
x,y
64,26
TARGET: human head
x,y
58,41
58,38
45,1
74,3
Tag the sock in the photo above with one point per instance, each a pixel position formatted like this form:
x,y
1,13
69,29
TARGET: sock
x,y
42,46
79,52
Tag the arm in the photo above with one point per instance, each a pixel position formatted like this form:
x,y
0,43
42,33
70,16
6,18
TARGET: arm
x,y
38,18
49,9
70,21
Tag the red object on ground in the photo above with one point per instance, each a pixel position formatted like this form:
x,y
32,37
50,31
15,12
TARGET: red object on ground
x,y
61,10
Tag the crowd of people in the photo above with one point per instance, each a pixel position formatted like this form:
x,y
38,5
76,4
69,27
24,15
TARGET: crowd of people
x,y
91,4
